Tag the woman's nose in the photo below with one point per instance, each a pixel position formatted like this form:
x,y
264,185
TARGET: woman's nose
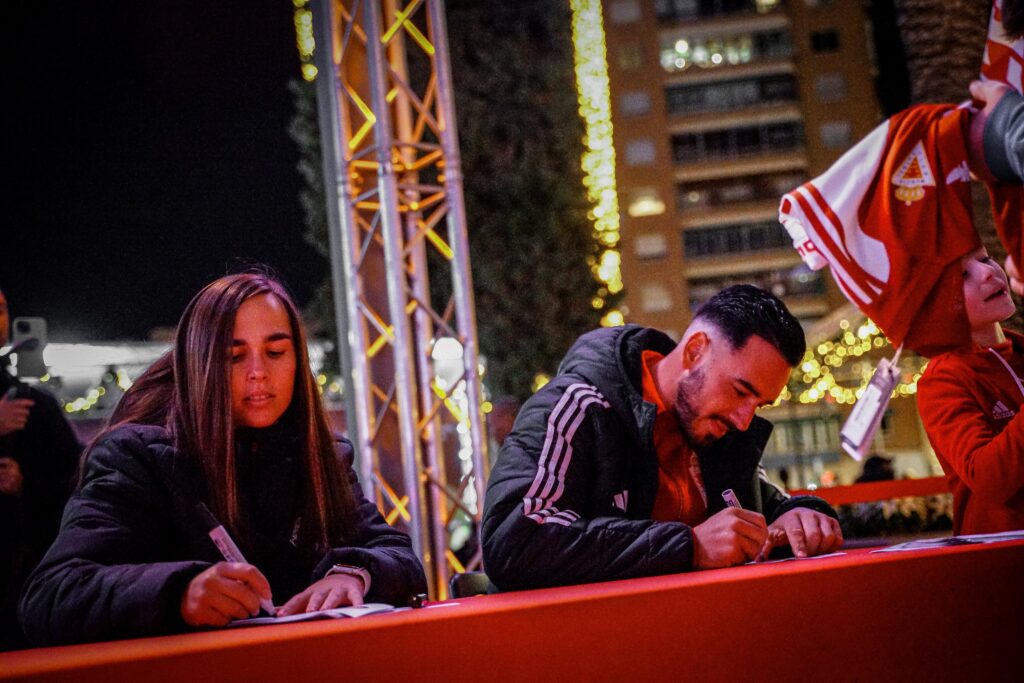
x,y
256,369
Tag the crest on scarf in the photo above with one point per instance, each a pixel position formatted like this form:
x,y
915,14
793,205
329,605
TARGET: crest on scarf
x,y
913,175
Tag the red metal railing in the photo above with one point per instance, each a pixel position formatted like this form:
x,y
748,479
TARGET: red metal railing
x,y
878,490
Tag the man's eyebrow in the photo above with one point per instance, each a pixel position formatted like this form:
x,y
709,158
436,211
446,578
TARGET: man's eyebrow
x,y
748,386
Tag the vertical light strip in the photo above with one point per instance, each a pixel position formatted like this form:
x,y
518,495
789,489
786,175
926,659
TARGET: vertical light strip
x,y
599,157
304,38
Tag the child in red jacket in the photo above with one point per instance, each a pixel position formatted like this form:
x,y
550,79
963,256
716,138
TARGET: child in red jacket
x,y
970,401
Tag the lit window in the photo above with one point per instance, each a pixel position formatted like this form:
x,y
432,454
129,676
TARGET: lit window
x,y
645,201
836,134
624,11
654,298
635,103
640,152
693,198
680,51
736,192
650,246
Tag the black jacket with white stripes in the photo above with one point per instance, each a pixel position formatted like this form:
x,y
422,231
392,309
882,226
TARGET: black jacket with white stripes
x,y
570,498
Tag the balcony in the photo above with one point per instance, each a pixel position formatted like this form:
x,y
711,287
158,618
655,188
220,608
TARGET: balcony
x,y
668,11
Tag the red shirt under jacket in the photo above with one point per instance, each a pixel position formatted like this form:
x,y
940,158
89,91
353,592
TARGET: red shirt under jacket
x,y
681,496
971,408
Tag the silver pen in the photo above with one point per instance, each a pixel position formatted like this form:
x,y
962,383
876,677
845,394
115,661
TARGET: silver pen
x,y
220,537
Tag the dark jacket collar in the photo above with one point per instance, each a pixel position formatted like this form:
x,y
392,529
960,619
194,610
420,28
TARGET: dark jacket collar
x,y
610,358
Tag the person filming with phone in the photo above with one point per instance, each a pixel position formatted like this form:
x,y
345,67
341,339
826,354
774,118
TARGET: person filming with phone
x,y
38,461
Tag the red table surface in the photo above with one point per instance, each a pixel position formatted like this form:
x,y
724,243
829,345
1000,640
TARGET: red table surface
x,y
949,613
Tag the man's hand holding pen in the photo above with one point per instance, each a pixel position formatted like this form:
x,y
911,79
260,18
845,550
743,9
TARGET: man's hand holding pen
x,y
734,535
731,536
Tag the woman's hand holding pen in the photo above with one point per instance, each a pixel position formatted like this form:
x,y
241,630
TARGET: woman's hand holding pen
x,y
336,590
224,592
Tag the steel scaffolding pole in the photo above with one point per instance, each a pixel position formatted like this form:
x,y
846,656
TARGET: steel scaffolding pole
x,y
462,279
339,203
392,175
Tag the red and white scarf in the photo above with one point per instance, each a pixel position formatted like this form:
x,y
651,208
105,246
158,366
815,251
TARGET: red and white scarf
x,y
1004,57
892,217
1003,61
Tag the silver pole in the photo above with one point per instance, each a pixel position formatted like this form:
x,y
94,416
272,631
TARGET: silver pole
x,y
462,280
343,241
391,229
375,205
429,434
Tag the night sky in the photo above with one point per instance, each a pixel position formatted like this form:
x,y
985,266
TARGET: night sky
x,y
149,151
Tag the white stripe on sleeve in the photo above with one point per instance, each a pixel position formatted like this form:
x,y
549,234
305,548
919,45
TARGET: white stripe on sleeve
x,y
556,454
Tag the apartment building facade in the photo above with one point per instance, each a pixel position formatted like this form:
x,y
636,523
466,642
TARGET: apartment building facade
x,y
719,107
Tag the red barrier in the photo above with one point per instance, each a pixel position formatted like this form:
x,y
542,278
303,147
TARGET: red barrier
x,y
932,614
878,490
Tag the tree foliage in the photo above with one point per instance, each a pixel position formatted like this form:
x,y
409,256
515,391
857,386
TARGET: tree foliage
x,y
304,129
521,141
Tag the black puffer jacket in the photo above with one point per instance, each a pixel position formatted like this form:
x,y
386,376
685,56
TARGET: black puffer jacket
x,y
1004,138
131,539
571,496
46,451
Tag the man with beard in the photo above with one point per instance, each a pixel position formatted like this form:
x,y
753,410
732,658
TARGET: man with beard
x,y
615,469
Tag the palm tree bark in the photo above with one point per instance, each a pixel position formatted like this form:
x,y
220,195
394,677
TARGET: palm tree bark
x,y
944,41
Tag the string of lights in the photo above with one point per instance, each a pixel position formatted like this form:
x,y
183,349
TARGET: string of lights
x,y
599,157
815,380
88,401
331,390
304,38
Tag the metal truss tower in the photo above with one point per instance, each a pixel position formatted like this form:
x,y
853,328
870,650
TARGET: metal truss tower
x,y
396,217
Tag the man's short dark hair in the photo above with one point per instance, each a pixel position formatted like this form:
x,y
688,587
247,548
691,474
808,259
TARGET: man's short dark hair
x,y
742,311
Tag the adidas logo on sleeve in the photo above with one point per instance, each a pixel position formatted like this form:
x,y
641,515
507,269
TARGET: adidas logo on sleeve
x,y
1001,412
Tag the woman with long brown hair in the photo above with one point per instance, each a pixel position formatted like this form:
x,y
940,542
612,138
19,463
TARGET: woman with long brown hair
x,y
230,419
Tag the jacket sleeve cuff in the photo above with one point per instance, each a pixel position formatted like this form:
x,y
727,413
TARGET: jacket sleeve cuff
x,y
999,125
809,502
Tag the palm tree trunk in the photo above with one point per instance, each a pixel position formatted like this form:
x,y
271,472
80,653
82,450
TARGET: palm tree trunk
x,y
944,41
